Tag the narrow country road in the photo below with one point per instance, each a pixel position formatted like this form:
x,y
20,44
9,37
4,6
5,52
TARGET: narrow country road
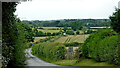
x,y
35,61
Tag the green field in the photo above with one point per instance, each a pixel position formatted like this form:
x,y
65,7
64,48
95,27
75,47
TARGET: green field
x,y
62,39
51,31
38,39
83,62
67,39
72,38
53,28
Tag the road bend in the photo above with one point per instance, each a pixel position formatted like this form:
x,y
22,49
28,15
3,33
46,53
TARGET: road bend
x,y
35,61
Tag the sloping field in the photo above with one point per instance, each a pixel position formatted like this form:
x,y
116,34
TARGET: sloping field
x,y
51,31
51,28
38,38
73,38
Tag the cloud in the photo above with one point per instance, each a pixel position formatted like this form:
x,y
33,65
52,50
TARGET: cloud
x,y
59,9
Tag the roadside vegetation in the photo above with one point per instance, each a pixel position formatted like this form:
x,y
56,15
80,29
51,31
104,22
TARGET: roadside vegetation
x,y
50,51
64,42
15,35
102,46
83,62
97,47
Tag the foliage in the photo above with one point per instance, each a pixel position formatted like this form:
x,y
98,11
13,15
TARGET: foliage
x,y
90,63
115,20
65,29
72,44
89,31
42,33
66,23
76,25
14,37
8,34
77,32
78,53
102,46
70,32
84,29
51,51
28,31
46,39
115,24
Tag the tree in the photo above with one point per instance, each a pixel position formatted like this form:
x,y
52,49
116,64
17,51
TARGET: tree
x,y
77,25
28,32
12,37
65,29
40,33
77,32
115,24
115,20
84,29
15,35
70,32
35,32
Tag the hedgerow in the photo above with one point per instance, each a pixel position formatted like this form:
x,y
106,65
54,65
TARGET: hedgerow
x,y
102,46
73,44
50,51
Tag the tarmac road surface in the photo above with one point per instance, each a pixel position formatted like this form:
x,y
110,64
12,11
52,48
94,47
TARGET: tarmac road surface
x,y
35,61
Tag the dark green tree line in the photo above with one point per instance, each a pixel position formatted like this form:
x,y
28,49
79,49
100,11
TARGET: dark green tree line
x,y
115,20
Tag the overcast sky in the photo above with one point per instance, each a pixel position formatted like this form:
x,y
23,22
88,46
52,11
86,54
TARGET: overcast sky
x,y
65,9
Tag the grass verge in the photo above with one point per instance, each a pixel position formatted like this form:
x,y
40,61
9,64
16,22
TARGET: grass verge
x,y
83,62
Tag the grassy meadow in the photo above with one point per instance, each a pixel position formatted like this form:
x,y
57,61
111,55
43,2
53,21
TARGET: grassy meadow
x,y
67,39
72,38
51,31
63,39
83,62
38,38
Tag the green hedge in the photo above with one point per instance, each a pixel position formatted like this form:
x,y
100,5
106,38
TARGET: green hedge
x,y
50,51
70,32
73,44
102,46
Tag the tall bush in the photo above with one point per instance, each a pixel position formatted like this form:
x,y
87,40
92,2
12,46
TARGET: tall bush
x,y
102,46
50,51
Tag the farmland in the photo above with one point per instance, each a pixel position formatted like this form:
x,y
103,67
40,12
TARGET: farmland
x,y
58,34
65,42
38,38
63,39
67,39
72,38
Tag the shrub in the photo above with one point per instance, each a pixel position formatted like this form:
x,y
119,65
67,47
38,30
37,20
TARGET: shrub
x,y
78,53
50,51
77,32
70,32
102,46
49,34
89,31
72,44
40,28
109,50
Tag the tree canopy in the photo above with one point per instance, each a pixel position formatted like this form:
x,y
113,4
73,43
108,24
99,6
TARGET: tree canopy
x,y
115,20
15,35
